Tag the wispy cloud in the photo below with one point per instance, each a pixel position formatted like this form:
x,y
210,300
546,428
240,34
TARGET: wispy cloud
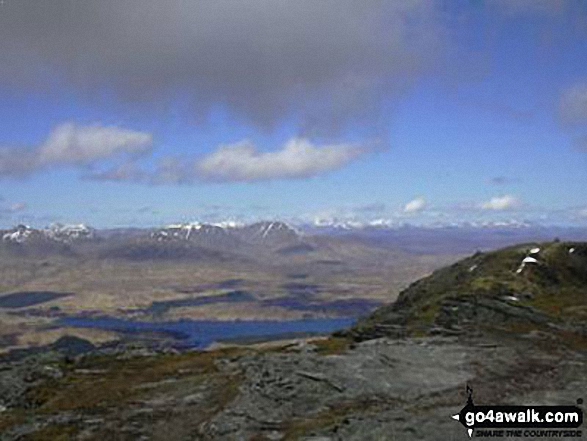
x,y
501,203
415,206
73,145
573,113
573,104
374,208
13,209
503,180
128,171
580,143
19,206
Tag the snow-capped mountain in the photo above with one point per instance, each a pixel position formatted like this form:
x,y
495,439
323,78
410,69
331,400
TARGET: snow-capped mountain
x,y
195,240
68,233
269,232
186,231
19,234
229,233
354,224
228,224
336,224
267,227
55,233
271,239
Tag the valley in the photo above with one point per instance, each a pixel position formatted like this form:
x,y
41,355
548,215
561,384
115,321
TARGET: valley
x,y
192,273
198,273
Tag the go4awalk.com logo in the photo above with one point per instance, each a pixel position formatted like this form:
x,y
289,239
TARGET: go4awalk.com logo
x,y
520,421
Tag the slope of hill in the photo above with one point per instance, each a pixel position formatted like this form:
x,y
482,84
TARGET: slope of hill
x,y
542,285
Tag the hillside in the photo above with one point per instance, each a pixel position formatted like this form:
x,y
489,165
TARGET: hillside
x,y
530,285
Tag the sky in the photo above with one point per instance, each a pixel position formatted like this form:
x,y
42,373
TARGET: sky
x,y
142,113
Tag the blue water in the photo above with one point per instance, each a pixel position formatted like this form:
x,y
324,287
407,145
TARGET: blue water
x,y
201,334
29,298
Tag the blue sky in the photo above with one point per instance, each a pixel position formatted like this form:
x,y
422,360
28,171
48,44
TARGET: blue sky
x,y
419,112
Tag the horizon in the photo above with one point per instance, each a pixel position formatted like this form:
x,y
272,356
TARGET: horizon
x,y
312,226
421,113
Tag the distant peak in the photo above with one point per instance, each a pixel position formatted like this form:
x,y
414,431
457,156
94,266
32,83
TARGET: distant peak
x,y
55,232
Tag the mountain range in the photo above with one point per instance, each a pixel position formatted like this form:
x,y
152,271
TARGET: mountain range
x,y
185,239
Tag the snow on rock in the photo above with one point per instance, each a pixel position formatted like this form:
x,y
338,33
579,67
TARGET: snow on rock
x,y
66,233
177,231
20,234
187,231
267,229
56,232
526,261
228,224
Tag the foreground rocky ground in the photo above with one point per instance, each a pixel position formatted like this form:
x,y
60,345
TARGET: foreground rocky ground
x,y
331,389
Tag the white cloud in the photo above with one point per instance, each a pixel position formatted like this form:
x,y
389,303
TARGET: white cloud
x,y
241,162
415,206
583,212
9,210
500,203
20,206
73,145
127,171
299,158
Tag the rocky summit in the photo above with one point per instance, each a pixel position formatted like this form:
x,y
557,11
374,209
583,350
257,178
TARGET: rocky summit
x,y
509,324
542,286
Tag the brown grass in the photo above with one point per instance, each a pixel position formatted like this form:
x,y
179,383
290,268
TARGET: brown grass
x,y
107,388
330,418
332,345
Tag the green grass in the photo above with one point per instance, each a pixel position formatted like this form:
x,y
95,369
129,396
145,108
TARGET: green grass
x,y
332,345
557,287
328,419
103,386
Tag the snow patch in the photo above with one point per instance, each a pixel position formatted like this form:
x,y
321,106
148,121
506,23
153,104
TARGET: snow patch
x,y
19,235
228,224
526,261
